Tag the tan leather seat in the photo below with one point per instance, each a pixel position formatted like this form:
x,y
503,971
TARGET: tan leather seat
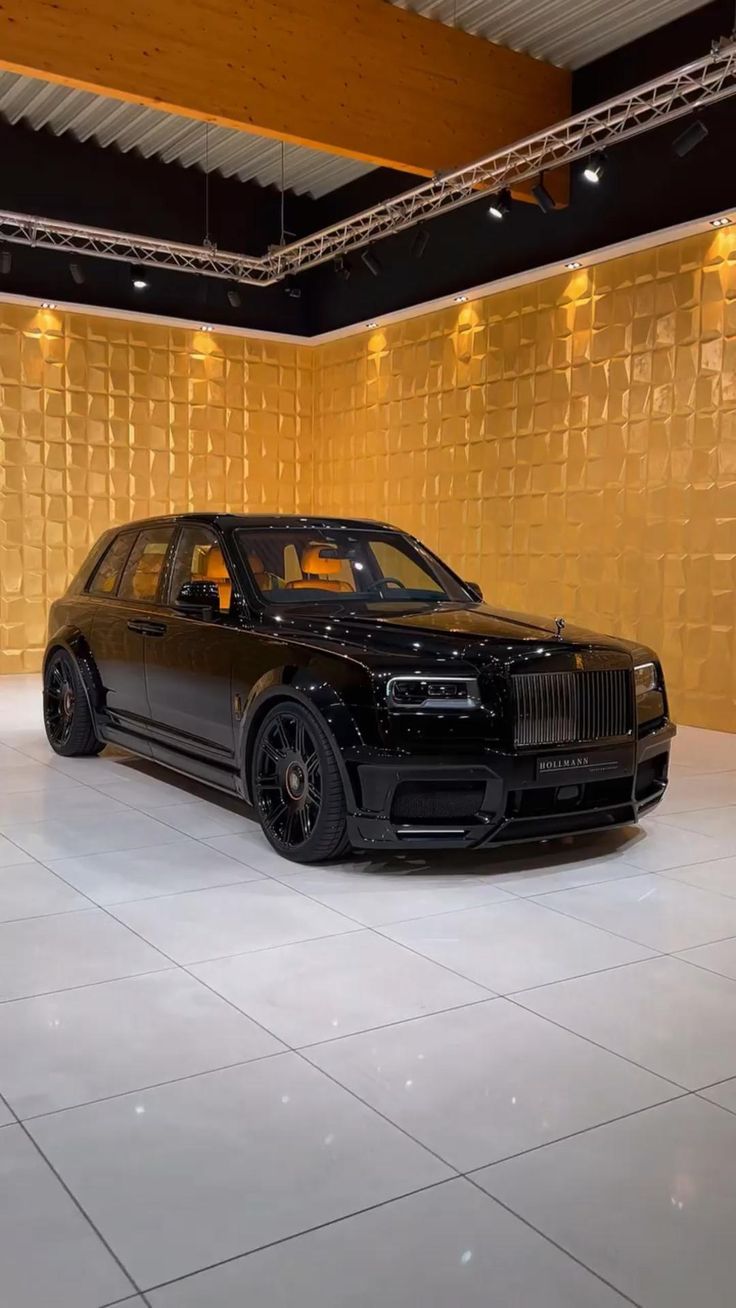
x,y
319,573
261,577
215,570
145,578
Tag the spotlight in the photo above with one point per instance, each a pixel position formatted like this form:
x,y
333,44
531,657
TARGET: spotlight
x,y
573,264
461,299
342,267
139,283
688,139
542,196
48,304
420,242
77,273
292,289
720,222
234,298
595,167
500,204
205,327
371,324
6,262
372,262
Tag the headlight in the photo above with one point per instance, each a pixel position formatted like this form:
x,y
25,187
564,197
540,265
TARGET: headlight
x,y
433,692
645,679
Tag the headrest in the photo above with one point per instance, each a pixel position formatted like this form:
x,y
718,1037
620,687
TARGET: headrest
x,y
255,563
214,567
318,567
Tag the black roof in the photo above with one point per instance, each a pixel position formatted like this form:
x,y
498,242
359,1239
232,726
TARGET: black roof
x,y
259,520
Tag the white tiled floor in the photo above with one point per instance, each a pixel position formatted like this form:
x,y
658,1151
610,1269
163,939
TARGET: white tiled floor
x,y
505,1078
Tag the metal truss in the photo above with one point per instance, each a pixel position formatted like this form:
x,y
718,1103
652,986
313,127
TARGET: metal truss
x,y
683,91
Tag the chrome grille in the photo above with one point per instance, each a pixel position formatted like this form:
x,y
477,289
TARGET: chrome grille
x,y
564,708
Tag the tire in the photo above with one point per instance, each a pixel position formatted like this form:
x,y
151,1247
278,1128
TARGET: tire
x,y
296,786
67,719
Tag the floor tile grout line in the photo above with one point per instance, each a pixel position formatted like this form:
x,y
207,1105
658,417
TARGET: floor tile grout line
x,y
309,1230
656,949
153,1085
560,1247
583,1130
513,999
78,1205
398,1021
700,1094
88,985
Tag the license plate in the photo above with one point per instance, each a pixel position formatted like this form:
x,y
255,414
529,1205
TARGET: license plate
x,y
584,765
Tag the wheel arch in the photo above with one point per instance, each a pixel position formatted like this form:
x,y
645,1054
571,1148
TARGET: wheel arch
x,y
320,698
75,644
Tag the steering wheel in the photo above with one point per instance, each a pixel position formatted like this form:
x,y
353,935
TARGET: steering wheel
x,y
386,581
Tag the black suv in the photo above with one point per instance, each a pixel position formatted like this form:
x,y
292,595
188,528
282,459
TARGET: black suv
x,y
342,679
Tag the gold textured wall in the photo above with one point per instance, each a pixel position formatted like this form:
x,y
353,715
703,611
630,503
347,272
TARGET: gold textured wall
x,y
105,420
570,444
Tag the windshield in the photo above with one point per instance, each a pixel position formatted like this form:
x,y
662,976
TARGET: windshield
x,y
304,566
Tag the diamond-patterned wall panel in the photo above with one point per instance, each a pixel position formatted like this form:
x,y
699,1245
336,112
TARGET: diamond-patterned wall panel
x,y
570,444
103,421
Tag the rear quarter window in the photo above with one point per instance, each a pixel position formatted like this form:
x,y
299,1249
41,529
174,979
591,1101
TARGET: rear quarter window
x,y
106,575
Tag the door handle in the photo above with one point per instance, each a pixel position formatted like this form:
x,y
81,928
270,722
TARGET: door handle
x,y
144,628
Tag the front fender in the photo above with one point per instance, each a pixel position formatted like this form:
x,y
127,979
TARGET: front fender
x,y
302,686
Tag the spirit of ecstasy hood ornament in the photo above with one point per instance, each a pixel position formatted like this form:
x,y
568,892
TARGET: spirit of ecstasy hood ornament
x,y
560,625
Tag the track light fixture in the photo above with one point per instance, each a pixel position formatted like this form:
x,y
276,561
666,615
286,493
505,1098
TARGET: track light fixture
x,y
720,222
595,167
461,299
48,304
573,265
205,327
372,262
542,196
234,297
77,273
292,289
140,283
691,137
6,262
371,324
420,242
500,204
343,267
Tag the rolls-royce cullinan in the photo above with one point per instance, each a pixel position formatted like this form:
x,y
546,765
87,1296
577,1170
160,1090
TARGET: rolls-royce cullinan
x,y
345,682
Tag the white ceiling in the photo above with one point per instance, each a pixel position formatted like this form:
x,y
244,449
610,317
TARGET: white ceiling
x,y
565,32
569,33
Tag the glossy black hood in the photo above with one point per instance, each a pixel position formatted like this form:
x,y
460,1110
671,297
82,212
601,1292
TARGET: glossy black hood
x,y
472,632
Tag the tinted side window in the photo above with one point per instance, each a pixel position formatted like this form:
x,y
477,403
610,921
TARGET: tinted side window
x,y
107,573
144,567
198,557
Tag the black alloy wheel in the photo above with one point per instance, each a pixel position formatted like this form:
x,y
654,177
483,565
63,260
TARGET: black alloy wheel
x,y
297,787
69,727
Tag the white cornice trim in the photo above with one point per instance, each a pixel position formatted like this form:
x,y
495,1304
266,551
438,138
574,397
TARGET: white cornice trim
x,y
648,241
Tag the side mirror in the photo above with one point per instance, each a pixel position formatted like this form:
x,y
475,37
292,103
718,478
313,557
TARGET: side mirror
x,y
199,599
474,589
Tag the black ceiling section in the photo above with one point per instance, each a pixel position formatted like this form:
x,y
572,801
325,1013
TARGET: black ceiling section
x,y
59,177
645,187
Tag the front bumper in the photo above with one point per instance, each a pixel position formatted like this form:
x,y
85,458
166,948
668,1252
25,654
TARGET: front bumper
x,y
503,797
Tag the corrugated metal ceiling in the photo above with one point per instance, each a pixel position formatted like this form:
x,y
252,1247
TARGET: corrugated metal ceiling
x,y
170,137
565,32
